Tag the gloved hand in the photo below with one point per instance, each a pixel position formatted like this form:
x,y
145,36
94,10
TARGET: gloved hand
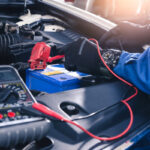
x,y
126,36
82,56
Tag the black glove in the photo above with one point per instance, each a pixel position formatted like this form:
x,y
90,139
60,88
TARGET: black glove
x,y
127,36
82,55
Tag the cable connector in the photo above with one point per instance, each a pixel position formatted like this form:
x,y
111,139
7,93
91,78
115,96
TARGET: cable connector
x,y
47,111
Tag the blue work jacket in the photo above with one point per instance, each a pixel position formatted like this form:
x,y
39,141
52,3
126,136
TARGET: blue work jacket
x,y
135,68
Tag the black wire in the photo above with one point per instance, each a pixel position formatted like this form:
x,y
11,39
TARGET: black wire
x,y
93,113
20,66
100,110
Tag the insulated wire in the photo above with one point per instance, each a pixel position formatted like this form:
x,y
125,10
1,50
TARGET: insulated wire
x,y
92,114
98,111
123,101
49,112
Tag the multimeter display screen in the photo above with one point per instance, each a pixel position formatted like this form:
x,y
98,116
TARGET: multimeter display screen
x,y
7,75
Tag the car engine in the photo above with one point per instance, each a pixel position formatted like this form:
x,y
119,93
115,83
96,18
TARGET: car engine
x,y
87,100
19,34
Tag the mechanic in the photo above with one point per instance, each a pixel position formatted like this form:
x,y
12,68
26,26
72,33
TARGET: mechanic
x,y
82,55
128,36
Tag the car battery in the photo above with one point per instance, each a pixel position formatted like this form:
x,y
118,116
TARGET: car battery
x,y
54,78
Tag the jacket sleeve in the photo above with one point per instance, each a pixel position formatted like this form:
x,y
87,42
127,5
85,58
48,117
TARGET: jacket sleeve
x,y
135,68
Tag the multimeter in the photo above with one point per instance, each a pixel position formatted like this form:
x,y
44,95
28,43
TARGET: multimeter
x,y
17,125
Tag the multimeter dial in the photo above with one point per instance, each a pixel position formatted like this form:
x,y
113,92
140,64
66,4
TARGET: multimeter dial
x,y
18,89
13,92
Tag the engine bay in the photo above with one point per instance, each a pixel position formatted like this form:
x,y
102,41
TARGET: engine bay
x,y
95,104
20,34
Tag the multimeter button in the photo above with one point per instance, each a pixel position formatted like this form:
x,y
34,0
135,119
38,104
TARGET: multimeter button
x,y
25,117
1,116
19,117
11,114
6,120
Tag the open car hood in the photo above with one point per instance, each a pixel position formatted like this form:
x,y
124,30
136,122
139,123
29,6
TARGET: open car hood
x,y
57,25
16,2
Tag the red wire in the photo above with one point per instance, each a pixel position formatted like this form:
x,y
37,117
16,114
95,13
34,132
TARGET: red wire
x,y
51,59
103,138
123,101
50,112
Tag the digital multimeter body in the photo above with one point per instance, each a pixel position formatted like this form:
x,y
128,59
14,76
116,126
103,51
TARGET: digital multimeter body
x,y
17,126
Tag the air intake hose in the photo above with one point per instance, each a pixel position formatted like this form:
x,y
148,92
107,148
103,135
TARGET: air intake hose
x,y
5,41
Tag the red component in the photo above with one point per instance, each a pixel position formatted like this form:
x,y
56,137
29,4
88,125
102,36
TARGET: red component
x,y
11,114
51,59
40,56
1,116
47,111
52,113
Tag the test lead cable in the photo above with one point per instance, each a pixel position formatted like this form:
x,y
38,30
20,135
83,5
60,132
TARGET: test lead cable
x,y
49,112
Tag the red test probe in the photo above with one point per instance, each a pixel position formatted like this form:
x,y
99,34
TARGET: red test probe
x,y
53,114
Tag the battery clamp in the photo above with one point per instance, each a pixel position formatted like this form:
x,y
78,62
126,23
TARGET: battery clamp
x,y
41,55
